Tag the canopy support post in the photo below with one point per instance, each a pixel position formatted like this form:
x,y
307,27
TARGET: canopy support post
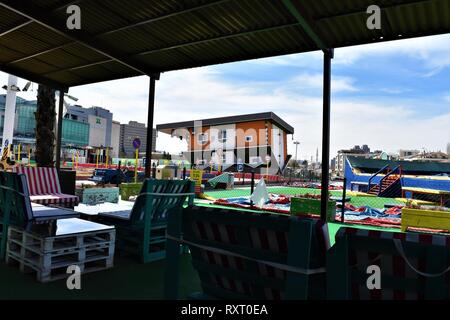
x,y
59,130
328,55
151,108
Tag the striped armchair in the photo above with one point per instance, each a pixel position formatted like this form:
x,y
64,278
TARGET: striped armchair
x,y
44,187
241,255
413,266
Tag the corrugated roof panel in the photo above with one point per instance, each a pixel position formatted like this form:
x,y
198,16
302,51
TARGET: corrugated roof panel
x,y
66,77
177,23
63,59
6,54
36,66
22,43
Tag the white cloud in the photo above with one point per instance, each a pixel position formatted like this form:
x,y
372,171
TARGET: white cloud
x,y
315,81
433,52
204,92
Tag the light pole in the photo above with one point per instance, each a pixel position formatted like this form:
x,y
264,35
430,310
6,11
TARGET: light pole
x,y
296,159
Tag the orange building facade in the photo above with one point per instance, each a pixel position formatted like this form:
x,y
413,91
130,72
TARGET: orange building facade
x,y
234,143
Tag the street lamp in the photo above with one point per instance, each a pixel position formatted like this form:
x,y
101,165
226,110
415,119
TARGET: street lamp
x,y
296,149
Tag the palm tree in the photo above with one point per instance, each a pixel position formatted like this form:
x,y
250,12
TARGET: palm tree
x,y
45,124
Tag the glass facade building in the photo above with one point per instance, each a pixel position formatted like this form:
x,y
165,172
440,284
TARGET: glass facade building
x,y
74,133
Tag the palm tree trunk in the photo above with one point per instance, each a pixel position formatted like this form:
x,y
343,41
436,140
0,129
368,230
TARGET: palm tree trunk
x,y
45,125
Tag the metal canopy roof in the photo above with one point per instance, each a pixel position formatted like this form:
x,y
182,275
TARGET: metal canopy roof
x,y
120,39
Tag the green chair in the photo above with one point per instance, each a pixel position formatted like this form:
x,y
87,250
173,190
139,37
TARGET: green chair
x,y
143,230
242,255
411,266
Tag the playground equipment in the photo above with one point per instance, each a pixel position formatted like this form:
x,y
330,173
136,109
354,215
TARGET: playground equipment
x,y
167,172
115,176
5,161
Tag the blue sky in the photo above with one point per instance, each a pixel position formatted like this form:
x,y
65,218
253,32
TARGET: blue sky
x,y
392,95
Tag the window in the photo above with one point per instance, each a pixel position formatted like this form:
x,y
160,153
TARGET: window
x,y
248,138
255,160
223,136
224,158
202,138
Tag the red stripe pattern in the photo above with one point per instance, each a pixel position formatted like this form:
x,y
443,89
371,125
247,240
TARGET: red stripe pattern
x,y
262,240
44,187
391,263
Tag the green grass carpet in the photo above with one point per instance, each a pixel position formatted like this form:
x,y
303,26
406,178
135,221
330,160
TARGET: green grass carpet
x,y
374,202
128,279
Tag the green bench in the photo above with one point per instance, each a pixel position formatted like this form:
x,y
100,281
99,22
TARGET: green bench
x,y
241,255
142,230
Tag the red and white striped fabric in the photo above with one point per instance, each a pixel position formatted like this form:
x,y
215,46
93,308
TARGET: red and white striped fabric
x,y
44,187
391,265
262,239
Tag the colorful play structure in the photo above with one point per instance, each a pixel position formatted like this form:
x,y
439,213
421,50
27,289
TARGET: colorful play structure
x,y
384,178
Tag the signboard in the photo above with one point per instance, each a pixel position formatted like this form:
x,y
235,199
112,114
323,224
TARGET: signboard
x,y
196,175
240,167
137,143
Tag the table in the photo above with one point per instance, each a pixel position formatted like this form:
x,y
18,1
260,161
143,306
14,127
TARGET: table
x,y
120,210
49,248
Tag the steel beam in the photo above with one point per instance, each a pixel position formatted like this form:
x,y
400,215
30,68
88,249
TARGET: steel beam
x,y
327,56
17,27
306,22
150,112
59,132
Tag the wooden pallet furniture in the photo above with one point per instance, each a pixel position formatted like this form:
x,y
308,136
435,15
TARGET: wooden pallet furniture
x,y
427,219
17,209
49,248
142,230
241,255
44,187
412,265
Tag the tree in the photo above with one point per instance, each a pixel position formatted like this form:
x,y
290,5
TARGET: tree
x,y
45,125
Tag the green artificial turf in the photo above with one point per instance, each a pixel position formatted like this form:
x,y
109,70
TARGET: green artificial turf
x,y
374,202
128,279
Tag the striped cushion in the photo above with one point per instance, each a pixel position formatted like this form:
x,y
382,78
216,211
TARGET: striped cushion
x,y
61,199
44,187
41,180
261,240
391,264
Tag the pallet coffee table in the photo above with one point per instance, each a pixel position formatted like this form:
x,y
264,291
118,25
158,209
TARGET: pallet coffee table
x,y
48,249
122,209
